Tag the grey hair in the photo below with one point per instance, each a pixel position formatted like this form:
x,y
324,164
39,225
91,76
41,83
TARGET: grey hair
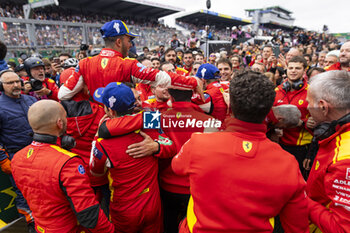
x,y
332,87
289,112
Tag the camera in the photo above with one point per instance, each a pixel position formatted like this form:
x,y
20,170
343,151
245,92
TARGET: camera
x,y
84,47
36,84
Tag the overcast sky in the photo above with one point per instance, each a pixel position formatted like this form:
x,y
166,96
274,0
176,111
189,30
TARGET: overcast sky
x,y
310,14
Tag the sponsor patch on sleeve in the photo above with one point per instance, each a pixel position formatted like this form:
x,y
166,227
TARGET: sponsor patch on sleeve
x,y
81,169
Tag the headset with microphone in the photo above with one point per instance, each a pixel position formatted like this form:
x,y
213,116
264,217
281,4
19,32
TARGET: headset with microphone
x,y
327,129
296,85
67,142
1,83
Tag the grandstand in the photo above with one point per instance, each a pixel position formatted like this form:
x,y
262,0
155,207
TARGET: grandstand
x,y
75,22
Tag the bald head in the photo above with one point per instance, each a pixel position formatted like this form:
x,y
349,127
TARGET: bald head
x,y
344,56
292,53
47,117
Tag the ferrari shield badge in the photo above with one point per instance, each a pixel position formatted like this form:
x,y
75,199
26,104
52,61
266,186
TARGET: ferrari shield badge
x,y
247,146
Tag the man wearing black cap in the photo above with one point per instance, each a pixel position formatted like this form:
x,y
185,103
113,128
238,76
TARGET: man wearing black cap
x,y
113,65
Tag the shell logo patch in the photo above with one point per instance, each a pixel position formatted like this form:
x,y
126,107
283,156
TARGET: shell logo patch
x,y
301,102
30,152
317,165
104,62
178,115
247,146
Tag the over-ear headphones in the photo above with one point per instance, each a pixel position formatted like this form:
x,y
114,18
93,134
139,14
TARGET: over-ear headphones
x,y
297,85
5,71
67,142
326,129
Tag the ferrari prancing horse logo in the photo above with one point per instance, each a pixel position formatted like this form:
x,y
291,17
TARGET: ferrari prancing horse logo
x,y
247,146
104,62
30,152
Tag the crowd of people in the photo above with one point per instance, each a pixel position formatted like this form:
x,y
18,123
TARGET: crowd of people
x,y
153,33
169,140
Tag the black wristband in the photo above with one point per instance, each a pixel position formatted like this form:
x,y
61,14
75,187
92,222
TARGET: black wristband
x,y
157,152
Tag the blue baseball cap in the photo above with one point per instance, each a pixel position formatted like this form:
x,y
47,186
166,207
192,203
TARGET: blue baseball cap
x,y
116,96
115,28
208,71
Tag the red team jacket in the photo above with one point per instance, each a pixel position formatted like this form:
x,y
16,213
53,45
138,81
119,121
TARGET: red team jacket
x,y
83,127
335,66
297,136
135,200
57,189
240,181
214,96
144,91
328,185
180,112
109,66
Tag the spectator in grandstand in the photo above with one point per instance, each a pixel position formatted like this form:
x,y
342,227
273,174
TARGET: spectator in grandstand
x,y
307,58
81,55
314,71
314,60
321,57
48,69
236,62
114,65
14,132
234,35
199,57
258,67
225,68
195,67
170,55
145,61
168,67
194,39
155,63
174,43
193,47
246,159
20,71
11,65
344,58
327,185
161,50
279,75
188,61
36,83
330,60
179,53
268,58
145,51
212,58
291,53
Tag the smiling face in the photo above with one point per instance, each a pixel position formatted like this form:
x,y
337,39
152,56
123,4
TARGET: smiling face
x,y
295,71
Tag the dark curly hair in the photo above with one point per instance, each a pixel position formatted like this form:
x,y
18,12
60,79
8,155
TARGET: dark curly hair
x,y
251,96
